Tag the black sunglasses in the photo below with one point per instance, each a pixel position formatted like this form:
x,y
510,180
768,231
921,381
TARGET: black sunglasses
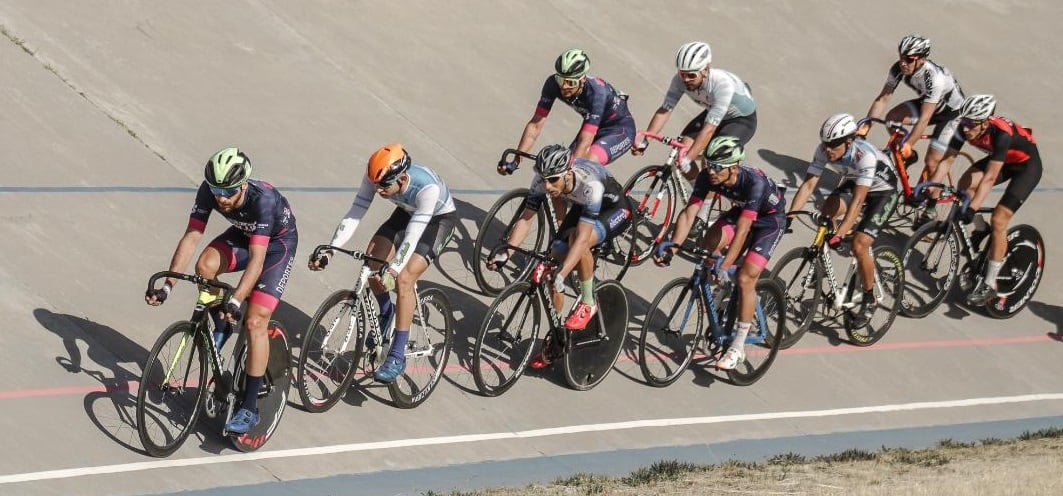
x,y
835,143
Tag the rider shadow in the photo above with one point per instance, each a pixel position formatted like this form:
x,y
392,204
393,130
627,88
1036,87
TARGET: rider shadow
x,y
110,358
455,261
295,322
468,316
1053,314
793,168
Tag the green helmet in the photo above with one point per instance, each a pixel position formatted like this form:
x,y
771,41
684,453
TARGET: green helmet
x,y
724,151
228,168
572,63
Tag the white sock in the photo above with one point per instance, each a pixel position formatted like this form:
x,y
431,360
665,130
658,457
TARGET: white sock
x,y
992,271
741,331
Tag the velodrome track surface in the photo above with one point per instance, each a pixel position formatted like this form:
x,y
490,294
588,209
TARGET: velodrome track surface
x,y
109,110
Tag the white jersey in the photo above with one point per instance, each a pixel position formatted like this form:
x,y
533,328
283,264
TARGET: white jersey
x,y
933,83
722,93
862,163
595,189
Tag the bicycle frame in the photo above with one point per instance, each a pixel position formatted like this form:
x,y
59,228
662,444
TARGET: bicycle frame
x,y
843,297
717,327
961,201
899,135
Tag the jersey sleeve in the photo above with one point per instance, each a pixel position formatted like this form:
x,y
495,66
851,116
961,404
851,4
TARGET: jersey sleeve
x,y
893,77
201,209
549,93
345,230
675,92
536,193
819,161
701,188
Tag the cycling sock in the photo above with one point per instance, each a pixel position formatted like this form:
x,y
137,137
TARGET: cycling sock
x,y
252,387
222,327
741,331
992,271
398,344
386,309
383,300
586,289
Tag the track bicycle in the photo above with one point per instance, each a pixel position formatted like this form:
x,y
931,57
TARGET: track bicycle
x,y
185,375
911,205
692,310
344,337
933,255
495,231
658,193
808,278
513,322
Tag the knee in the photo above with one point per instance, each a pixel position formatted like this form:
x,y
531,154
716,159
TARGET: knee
x,y
1000,221
747,280
405,281
256,323
208,266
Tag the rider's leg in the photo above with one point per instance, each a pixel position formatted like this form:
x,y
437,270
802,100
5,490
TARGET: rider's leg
x,y
834,208
865,263
381,246
210,265
407,303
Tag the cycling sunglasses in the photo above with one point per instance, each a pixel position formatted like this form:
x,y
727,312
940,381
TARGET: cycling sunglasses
x,y
835,143
224,192
909,59
716,168
968,124
689,75
554,179
565,82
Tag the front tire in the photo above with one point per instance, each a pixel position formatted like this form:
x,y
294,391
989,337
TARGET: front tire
x,y
172,389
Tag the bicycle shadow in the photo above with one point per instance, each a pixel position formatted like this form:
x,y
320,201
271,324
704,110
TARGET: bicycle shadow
x,y
110,358
455,261
628,363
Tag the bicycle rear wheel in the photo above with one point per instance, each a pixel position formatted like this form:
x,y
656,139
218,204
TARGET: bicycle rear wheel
x,y
494,231
931,261
801,276
591,353
670,332
765,335
427,350
172,388
653,197
889,288
1024,263
331,351
273,397
506,339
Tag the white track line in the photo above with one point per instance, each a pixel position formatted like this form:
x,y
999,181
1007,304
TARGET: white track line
x,y
554,431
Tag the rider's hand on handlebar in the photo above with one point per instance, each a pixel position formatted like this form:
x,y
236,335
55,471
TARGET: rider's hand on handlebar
x,y
507,168
156,297
789,224
498,260
640,147
863,129
233,310
320,261
663,254
967,216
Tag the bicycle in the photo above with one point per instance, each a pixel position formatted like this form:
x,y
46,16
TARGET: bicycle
x,y
345,335
659,193
175,387
803,271
495,231
911,204
673,325
511,327
929,272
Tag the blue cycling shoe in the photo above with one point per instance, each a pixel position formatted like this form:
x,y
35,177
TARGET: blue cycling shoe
x,y
242,422
390,370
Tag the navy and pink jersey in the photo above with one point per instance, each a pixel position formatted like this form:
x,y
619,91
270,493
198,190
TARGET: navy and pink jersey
x,y
753,192
600,104
264,215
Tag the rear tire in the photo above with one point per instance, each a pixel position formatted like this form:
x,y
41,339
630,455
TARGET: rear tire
x,y
889,288
1024,264
765,336
592,352
274,396
654,200
427,350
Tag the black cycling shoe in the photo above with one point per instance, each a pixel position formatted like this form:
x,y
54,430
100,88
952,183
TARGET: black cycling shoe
x,y
862,317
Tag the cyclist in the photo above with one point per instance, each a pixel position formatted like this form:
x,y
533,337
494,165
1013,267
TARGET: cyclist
x,y
1012,156
871,183
608,128
758,214
939,100
729,106
424,217
261,242
598,211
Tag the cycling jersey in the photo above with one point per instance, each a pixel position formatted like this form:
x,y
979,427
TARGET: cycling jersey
x,y
933,83
424,196
753,192
723,94
594,189
599,103
264,215
862,163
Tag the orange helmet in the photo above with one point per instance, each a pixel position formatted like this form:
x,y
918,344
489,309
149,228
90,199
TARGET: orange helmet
x,y
387,164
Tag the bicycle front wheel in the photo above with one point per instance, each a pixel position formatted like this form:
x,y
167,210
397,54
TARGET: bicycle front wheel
x,y
889,289
506,339
931,261
592,352
670,332
653,197
331,351
172,388
765,335
494,231
427,350
801,276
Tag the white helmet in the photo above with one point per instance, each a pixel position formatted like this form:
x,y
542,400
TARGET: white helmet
x,y
836,127
693,56
978,107
914,44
